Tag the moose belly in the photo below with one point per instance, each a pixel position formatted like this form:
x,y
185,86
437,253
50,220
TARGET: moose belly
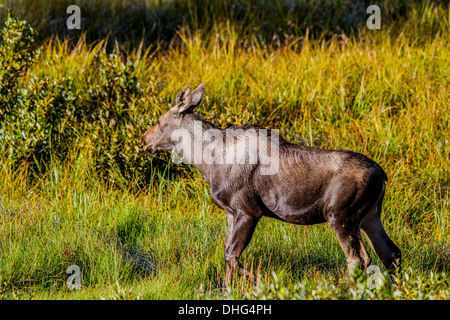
x,y
297,208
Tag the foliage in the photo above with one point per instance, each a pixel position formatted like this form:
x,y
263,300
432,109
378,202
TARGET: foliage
x,y
17,53
33,112
406,285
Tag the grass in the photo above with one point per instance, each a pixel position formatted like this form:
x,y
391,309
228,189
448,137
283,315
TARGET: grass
x,y
79,191
164,242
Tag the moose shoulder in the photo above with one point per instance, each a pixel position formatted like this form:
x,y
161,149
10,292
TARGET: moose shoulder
x,y
252,172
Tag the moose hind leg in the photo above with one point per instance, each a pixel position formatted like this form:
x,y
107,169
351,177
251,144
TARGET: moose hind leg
x,y
378,239
349,238
366,259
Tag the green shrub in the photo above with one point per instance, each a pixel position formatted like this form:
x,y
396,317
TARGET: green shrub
x,y
17,53
33,111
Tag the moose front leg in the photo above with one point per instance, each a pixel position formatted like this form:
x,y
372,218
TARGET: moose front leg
x,y
242,227
230,221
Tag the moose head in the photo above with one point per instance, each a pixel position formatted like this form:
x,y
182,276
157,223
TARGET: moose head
x,y
159,136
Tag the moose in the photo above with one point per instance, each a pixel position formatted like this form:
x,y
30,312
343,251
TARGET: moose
x,y
308,185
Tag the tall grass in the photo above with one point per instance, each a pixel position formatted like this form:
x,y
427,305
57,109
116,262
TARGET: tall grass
x,y
75,188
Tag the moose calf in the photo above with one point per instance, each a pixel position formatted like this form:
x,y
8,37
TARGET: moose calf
x,y
305,186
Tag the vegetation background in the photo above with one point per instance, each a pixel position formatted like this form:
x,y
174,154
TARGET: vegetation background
x,y
76,190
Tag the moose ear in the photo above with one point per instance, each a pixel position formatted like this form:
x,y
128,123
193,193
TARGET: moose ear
x,y
182,101
197,95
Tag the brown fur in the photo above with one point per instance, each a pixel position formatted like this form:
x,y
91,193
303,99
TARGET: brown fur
x,y
312,185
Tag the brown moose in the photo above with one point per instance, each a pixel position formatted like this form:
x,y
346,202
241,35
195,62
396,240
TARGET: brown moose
x,y
309,186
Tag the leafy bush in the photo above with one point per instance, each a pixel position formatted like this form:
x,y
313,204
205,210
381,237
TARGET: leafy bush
x,y
17,53
33,111
46,114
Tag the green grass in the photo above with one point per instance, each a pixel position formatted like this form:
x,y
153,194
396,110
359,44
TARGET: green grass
x,y
166,242
76,189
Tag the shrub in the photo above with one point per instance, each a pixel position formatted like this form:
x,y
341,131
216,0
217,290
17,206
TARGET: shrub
x,y
17,53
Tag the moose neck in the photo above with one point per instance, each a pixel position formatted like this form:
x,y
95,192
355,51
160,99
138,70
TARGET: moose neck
x,y
196,136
